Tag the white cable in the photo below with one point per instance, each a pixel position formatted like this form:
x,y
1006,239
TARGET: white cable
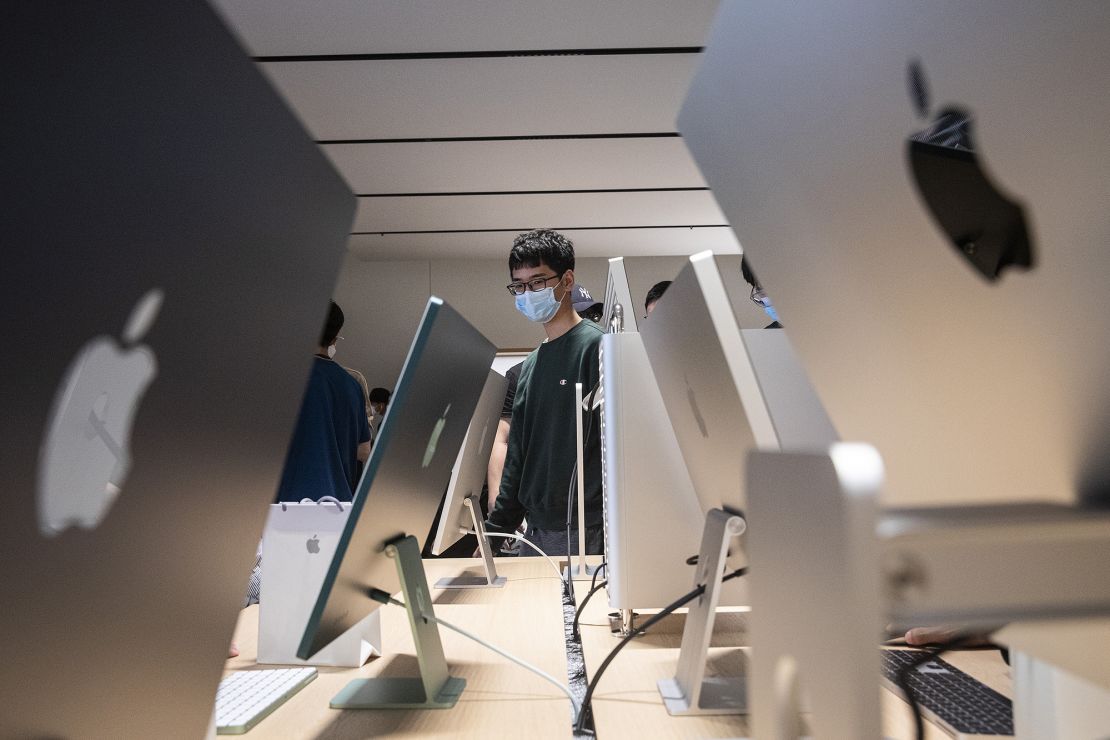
x,y
522,663
558,570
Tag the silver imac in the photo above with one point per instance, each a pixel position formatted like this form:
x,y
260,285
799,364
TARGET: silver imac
x,y
167,264
727,391
462,510
618,298
435,397
950,306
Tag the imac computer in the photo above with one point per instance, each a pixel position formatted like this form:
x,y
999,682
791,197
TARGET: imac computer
x,y
439,387
726,391
462,510
168,259
649,496
966,338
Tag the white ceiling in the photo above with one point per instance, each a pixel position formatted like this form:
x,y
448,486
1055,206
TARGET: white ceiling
x,y
420,104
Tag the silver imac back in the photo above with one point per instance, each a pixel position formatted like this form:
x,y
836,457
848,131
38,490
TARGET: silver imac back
x,y
168,259
975,365
618,293
727,390
434,401
469,473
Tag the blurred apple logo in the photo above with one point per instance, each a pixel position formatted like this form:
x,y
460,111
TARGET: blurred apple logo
x,y
987,228
433,440
312,544
693,400
85,456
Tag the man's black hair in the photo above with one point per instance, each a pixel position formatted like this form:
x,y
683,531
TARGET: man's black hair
x,y
332,326
748,274
379,395
656,292
542,245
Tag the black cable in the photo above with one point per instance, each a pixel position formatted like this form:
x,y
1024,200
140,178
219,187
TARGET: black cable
x,y
581,607
584,713
902,678
598,569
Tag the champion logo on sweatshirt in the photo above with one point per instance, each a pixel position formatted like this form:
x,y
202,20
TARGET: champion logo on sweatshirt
x,y
563,381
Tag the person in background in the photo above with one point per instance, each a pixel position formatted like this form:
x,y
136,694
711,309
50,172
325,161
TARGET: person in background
x,y
654,294
541,453
332,434
585,306
758,295
379,401
361,380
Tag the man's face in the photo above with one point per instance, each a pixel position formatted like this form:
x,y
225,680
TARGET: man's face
x,y
531,275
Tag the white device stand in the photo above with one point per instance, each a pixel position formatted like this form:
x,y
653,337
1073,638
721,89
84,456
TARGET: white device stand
x,y
490,579
828,568
815,585
435,688
690,692
582,571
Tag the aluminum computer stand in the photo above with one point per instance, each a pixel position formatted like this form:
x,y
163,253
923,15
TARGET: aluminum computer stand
x,y
490,579
690,692
435,688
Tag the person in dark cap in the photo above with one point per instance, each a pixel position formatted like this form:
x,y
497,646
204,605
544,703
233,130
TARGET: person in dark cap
x,y
584,304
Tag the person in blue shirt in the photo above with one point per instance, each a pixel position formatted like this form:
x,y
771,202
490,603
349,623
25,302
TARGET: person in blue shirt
x,y
332,434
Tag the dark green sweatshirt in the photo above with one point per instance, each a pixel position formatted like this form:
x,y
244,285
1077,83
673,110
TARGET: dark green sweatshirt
x,y
542,439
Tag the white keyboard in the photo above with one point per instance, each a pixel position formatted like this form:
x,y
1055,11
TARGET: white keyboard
x,y
246,697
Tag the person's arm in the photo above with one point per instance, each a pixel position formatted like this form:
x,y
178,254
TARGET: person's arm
x,y
363,452
497,462
508,512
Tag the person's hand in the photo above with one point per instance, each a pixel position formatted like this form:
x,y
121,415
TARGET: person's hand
x,y
944,634
233,650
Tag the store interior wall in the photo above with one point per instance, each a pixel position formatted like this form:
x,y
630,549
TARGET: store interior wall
x,y
383,303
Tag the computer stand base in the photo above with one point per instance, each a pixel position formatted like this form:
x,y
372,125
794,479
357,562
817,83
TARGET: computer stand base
x,y
690,692
434,689
490,579
584,572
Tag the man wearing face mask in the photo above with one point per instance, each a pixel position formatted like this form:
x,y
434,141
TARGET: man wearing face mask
x,y
758,295
379,400
332,434
541,455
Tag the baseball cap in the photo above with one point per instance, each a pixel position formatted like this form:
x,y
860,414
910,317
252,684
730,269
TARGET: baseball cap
x,y
580,298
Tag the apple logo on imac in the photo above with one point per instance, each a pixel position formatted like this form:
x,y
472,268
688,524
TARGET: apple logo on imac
x,y
433,440
85,455
986,227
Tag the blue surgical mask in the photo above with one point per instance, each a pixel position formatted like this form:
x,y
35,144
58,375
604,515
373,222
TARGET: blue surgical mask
x,y
769,309
538,305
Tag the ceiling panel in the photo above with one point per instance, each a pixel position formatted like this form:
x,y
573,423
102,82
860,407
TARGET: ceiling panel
x,y
484,166
299,27
562,210
505,96
587,243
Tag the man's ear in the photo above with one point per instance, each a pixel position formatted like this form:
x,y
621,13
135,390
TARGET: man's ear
x,y
569,275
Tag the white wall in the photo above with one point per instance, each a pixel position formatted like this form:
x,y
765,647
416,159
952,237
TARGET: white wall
x,y
383,302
